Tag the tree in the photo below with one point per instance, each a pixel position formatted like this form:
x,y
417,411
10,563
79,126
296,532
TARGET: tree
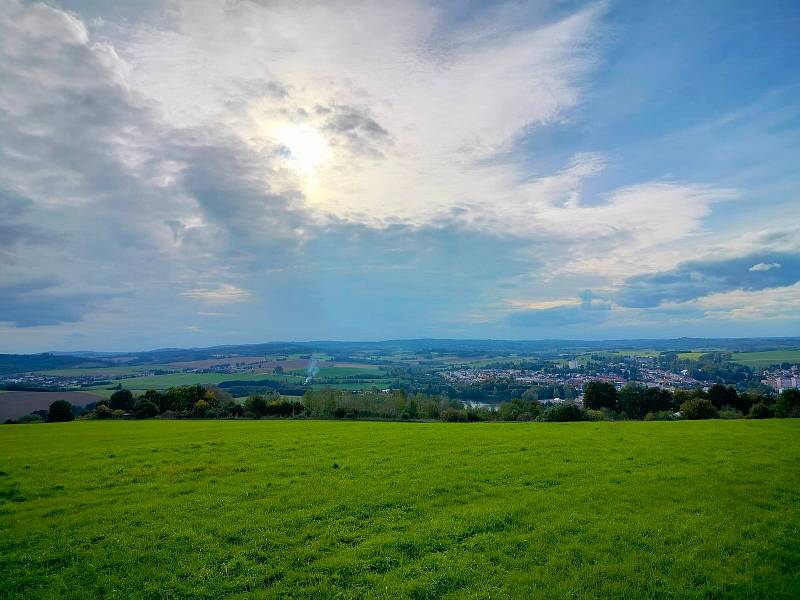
x,y
144,409
788,404
256,406
699,408
103,412
566,411
121,400
631,401
60,412
721,395
600,394
759,411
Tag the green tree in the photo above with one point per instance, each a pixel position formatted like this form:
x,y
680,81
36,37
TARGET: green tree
x,y
60,411
788,404
103,412
699,408
759,411
631,401
145,409
256,406
721,395
121,400
600,394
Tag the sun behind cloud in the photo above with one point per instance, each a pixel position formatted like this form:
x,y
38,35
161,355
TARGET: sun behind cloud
x,y
307,147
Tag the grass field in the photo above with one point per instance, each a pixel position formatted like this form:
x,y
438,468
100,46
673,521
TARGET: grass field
x,y
163,382
766,358
205,509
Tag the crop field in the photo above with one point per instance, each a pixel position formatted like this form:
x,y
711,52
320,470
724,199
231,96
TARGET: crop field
x,y
163,382
16,404
323,509
352,371
766,358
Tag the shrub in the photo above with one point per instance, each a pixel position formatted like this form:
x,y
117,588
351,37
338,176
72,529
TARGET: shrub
x,y
699,408
759,410
144,409
661,415
121,400
103,411
566,411
30,419
453,415
729,412
60,412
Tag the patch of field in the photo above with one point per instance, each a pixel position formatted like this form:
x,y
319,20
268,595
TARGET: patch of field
x,y
260,361
340,371
18,404
102,371
163,382
690,355
362,385
766,358
322,509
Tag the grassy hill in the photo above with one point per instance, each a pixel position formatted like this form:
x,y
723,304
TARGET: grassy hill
x,y
323,509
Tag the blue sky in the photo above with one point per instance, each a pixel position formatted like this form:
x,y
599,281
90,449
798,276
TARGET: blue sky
x,y
194,173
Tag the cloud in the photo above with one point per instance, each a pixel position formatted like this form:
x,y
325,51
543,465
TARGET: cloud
x,y
590,310
41,302
764,266
223,294
697,279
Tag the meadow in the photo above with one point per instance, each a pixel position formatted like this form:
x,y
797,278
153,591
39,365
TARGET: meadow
x,y
766,358
324,509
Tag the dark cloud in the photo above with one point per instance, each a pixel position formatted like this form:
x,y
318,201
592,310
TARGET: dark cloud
x,y
41,302
696,279
354,128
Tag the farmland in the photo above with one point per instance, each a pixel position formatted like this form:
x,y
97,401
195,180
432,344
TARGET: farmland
x,y
15,404
760,360
152,509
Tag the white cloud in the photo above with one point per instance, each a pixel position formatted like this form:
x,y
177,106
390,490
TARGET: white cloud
x,y
223,294
764,266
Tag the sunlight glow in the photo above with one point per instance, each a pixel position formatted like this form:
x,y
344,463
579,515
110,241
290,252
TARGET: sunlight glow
x,y
307,147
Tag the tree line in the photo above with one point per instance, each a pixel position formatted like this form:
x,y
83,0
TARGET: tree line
x,y
601,401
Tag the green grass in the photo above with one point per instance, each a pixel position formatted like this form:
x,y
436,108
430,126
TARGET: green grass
x,y
325,509
766,358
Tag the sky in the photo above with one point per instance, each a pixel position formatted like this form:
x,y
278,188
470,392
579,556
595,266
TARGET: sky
x,y
195,172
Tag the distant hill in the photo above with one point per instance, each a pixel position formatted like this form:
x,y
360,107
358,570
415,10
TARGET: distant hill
x,y
14,363
22,363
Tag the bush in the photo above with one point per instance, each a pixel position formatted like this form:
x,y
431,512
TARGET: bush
x,y
60,412
144,409
121,400
729,412
566,411
699,408
661,415
103,411
453,415
759,410
30,419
